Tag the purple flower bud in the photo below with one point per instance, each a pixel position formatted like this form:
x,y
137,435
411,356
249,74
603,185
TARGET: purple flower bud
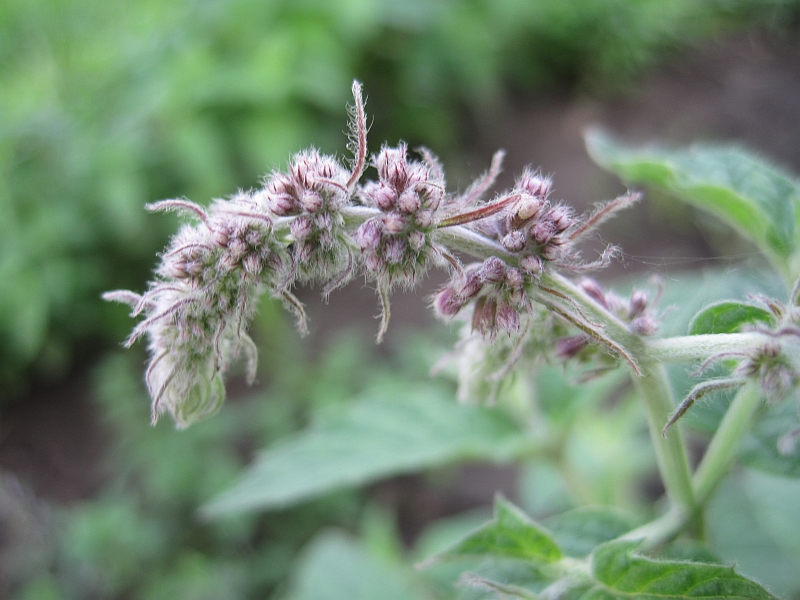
x,y
447,303
391,165
561,218
394,222
514,278
424,219
323,221
301,228
593,289
384,197
532,264
484,316
469,285
541,232
534,184
311,201
374,263
508,317
394,250
514,241
220,234
493,270
252,264
416,239
569,347
369,233
408,202
644,325
237,248
637,304
282,204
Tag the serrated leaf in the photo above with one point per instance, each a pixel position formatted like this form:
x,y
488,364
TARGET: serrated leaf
x,y
621,574
745,191
406,431
336,567
580,530
511,534
728,316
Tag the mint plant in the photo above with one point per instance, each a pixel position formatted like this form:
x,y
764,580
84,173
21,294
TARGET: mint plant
x,y
523,298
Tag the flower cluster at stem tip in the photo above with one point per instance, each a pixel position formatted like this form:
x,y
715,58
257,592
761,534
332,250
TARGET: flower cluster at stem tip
x,y
317,223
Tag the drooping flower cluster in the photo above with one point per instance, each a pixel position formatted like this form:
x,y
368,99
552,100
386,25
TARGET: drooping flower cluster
x,y
197,311
316,223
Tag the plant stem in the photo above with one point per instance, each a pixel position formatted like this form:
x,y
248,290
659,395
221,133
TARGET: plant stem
x,y
673,465
700,347
722,449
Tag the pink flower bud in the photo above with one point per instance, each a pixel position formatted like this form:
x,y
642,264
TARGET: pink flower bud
x,y
408,202
384,197
493,270
252,264
282,204
394,250
469,285
323,221
301,228
237,248
424,219
311,201
394,222
484,316
541,232
416,239
514,278
637,304
508,317
532,264
369,233
569,347
514,241
527,207
561,218
446,303
593,289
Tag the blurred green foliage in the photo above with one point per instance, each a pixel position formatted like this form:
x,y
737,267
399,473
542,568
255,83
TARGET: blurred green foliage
x,y
107,106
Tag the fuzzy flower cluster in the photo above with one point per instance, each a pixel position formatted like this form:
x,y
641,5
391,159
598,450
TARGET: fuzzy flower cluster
x,y
317,223
774,364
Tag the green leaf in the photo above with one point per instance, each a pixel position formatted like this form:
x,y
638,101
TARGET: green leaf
x,y
619,573
579,531
728,316
407,430
759,448
336,567
731,183
511,534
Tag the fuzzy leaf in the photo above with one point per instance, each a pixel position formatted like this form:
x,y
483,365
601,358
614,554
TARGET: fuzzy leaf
x,y
414,429
728,316
621,574
736,186
511,534
580,530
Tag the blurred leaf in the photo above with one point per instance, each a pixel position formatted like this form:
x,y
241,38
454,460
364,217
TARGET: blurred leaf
x,y
511,534
745,191
753,519
337,567
405,431
759,449
579,531
728,317
621,574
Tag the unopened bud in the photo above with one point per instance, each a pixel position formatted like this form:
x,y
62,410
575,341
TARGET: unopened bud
x,y
527,207
514,241
301,228
493,270
541,232
637,304
394,222
368,234
485,315
593,289
532,264
408,202
446,303
514,279
384,197
508,317
416,239
469,285
569,347
312,201
394,250
424,219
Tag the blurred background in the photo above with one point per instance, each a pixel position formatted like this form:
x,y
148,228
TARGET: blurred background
x,y
105,106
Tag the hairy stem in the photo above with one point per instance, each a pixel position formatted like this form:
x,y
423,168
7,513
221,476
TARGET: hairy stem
x,y
722,449
700,347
